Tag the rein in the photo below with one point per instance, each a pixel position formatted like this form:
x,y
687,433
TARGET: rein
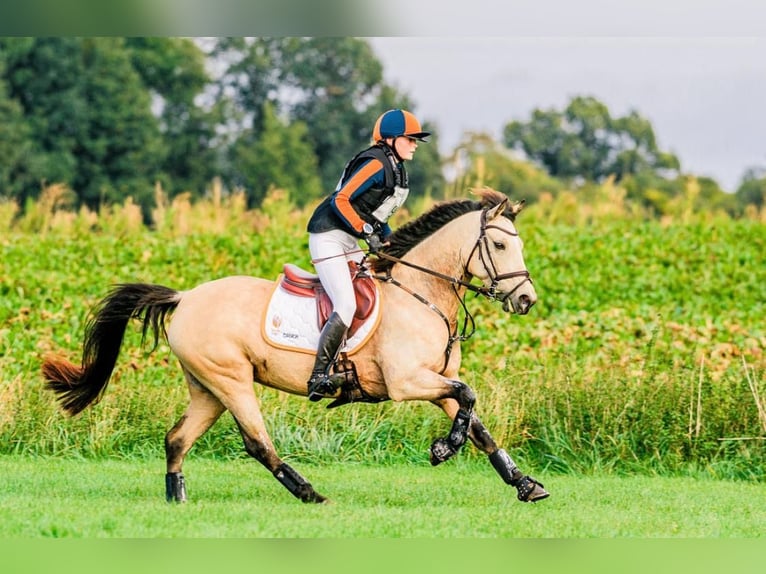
x,y
489,292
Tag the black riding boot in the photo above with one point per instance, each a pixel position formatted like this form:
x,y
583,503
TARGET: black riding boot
x,y
330,341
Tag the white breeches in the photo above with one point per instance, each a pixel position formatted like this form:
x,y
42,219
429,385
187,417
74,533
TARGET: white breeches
x,y
330,253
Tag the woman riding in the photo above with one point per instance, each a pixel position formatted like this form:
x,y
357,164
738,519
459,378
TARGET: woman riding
x,y
373,186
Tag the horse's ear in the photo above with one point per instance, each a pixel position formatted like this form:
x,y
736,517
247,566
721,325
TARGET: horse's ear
x,y
498,210
517,207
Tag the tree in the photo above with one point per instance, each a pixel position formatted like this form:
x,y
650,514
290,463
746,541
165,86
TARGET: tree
x,y
14,144
122,151
479,160
585,141
173,70
336,83
44,75
89,117
752,189
332,85
277,156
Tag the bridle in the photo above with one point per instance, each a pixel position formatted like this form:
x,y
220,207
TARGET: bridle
x,y
489,265
491,293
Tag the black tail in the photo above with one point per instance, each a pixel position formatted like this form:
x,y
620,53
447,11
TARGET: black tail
x,y
78,387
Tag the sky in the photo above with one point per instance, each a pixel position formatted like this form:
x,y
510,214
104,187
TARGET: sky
x,y
704,94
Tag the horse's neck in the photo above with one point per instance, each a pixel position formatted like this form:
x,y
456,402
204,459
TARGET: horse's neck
x,y
443,253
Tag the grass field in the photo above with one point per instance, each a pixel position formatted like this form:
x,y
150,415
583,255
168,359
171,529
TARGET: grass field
x,y
125,499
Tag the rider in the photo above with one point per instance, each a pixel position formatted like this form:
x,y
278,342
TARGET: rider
x,y
373,186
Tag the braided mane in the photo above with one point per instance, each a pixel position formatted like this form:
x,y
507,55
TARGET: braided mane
x,y
415,231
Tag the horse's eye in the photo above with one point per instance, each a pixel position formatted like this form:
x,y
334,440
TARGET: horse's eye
x,y
499,246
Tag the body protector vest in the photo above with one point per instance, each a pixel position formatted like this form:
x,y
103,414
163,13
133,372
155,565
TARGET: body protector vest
x,y
377,204
381,203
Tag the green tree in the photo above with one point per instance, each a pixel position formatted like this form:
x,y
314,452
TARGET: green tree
x,y
173,70
89,117
14,143
277,156
333,85
336,83
752,189
585,141
479,160
44,76
252,76
122,152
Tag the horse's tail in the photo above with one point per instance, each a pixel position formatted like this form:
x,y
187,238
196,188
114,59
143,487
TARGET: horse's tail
x,y
77,387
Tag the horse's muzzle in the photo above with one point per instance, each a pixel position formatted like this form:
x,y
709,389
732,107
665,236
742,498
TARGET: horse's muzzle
x,y
520,304
524,304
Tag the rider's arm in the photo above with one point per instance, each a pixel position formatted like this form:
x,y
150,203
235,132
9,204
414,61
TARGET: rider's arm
x,y
368,175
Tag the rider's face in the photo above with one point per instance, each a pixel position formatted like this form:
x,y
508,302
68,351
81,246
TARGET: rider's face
x,y
405,147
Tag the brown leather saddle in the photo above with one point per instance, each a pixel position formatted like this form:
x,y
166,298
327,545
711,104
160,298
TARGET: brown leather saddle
x,y
304,284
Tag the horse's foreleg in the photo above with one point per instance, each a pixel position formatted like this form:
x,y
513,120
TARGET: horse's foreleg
x,y
528,489
204,409
444,448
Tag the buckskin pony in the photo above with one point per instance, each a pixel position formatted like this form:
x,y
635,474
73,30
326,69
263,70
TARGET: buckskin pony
x,y
410,353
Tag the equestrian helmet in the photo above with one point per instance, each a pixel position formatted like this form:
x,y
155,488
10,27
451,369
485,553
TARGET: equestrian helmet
x,y
397,123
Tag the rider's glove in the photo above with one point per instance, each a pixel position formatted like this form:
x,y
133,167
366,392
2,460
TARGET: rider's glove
x,y
374,242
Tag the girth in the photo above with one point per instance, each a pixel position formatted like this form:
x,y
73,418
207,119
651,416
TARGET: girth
x,y
301,283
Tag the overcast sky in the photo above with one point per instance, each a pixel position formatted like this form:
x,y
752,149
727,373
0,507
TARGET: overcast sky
x,y
704,96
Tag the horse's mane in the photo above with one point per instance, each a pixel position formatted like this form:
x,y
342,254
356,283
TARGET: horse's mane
x,y
415,231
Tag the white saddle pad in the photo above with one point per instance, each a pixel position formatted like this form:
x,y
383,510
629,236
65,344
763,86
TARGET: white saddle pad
x,y
291,323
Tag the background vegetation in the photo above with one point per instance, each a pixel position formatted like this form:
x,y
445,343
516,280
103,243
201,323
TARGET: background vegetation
x,y
110,118
645,353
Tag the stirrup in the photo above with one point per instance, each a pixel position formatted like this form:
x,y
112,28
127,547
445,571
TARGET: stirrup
x,y
319,386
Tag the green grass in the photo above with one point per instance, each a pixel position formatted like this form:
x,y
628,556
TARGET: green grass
x,y
64,498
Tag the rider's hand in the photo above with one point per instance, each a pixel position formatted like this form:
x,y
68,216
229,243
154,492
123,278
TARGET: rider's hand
x,y
374,242
372,237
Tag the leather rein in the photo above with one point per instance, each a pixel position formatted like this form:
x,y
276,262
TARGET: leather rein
x,y
488,292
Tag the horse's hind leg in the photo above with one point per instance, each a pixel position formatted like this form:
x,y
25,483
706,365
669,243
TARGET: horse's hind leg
x,y
528,489
203,410
241,401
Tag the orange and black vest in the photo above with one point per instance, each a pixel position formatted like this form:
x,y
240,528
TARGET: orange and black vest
x,y
371,177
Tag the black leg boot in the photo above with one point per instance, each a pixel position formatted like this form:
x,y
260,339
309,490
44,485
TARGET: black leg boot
x,y
330,341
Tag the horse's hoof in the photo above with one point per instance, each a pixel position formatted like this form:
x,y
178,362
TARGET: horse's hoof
x,y
175,487
530,490
317,498
441,450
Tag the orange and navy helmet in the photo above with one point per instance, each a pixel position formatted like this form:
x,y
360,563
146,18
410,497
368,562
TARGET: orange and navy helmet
x,y
396,123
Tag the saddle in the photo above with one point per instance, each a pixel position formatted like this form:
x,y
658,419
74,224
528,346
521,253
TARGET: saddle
x,y
304,284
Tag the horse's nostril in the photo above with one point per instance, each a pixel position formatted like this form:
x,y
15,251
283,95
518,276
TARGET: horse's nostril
x,y
525,302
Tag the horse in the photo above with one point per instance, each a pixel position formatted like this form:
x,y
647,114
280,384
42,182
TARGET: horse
x,y
412,352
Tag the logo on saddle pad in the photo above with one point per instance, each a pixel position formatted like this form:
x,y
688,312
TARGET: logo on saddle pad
x,y
299,307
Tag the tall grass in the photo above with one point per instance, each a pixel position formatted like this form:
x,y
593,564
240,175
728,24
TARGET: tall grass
x,y
645,353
